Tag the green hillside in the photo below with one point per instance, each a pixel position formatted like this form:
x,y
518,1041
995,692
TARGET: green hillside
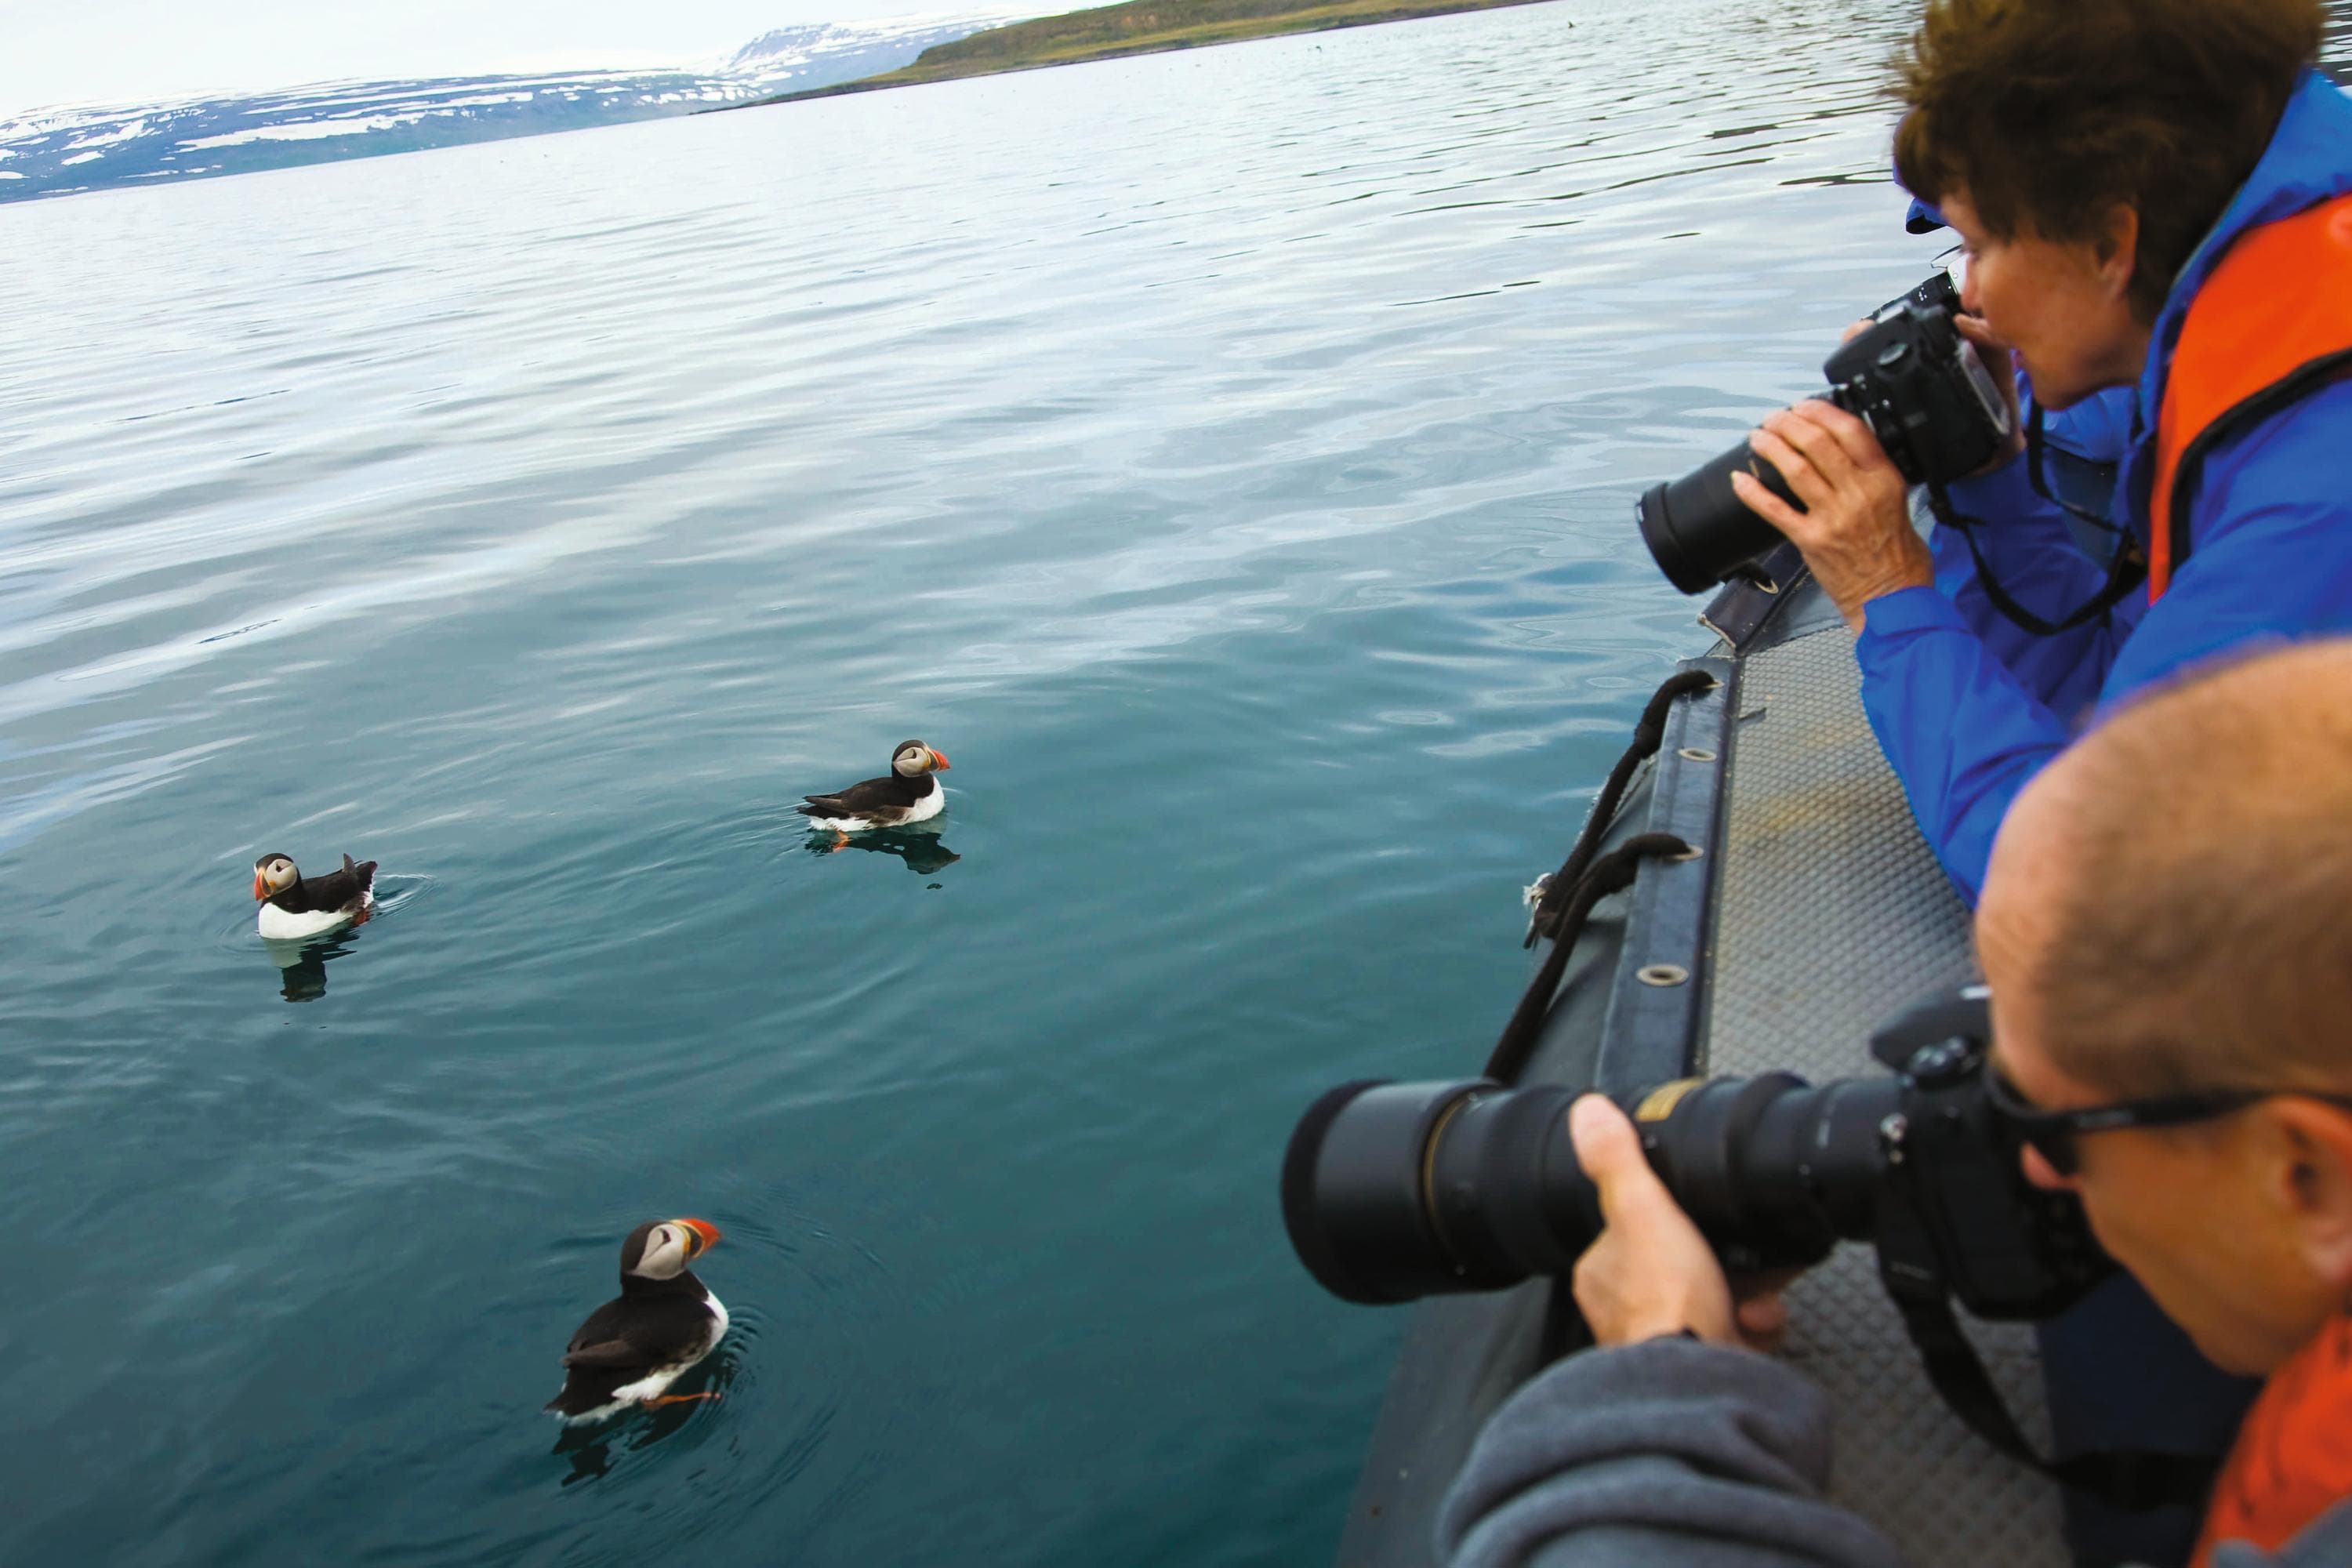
x,y
1138,28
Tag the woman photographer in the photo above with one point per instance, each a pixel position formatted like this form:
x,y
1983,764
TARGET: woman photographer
x,y
2154,193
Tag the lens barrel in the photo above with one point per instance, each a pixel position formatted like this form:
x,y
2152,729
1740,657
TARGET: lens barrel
x,y
1395,1190
1699,531
1355,1190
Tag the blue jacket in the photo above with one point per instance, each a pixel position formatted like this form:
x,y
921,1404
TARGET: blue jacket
x,y
1967,709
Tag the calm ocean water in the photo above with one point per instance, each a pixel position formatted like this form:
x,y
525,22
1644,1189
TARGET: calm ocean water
x,y
1225,458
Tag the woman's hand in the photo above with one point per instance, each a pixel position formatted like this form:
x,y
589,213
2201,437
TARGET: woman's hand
x,y
2000,363
1856,530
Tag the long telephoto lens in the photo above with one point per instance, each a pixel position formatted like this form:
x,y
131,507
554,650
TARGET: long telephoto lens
x,y
1396,1191
1700,532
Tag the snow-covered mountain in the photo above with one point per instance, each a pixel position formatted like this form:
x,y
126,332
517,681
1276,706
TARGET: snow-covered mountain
x,y
789,57
58,151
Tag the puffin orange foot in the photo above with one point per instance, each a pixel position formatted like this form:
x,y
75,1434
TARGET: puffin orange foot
x,y
661,1399
840,842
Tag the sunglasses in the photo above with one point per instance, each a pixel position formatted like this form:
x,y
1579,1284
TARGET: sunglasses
x,y
2053,1133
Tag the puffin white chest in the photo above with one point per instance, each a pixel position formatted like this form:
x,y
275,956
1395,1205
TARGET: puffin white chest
x,y
281,925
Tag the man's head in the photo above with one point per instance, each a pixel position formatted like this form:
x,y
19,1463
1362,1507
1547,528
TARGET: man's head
x,y
2081,148
2170,909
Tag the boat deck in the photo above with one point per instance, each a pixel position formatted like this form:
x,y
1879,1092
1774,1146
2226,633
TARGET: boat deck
x,y
1815,913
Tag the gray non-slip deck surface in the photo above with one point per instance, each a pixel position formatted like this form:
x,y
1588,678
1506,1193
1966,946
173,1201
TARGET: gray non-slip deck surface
x,y
1834,917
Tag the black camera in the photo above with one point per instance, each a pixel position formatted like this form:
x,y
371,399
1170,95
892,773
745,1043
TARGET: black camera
x,y
1392,1192
1910,375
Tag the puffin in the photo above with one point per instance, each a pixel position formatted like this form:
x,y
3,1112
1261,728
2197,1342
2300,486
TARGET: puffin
x,y
636,1345
907,794
295,906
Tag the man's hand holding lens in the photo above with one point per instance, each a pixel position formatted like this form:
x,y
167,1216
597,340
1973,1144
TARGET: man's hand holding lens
x,y
1651,1274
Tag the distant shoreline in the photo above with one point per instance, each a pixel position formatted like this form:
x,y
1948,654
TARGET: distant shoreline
x,y
1138,28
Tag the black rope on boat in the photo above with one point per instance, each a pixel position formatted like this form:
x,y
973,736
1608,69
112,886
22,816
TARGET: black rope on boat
x,y
1649,734
1611,873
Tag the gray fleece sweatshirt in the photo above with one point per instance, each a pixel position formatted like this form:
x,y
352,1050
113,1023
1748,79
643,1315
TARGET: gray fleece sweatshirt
x,y
1676,1452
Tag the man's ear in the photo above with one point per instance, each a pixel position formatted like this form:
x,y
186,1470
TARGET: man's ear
x,y
2317,1175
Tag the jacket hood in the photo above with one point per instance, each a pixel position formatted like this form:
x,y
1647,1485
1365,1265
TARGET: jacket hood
x,y
2308,161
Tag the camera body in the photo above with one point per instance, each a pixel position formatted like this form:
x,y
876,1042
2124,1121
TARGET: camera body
x,y
1909,375
1920,386
1954,1207
1391,1192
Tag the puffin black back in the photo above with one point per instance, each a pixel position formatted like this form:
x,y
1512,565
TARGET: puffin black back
x,y
334,890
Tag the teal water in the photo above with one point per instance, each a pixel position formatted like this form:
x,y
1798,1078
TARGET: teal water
x,y
1225,458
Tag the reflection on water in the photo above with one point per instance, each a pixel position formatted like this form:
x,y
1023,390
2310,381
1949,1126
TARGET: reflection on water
x,y
589,1448
920,845
302,965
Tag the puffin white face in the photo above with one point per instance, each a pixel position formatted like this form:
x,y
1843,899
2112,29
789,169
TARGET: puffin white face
x,y
669,1246
914,759
272,875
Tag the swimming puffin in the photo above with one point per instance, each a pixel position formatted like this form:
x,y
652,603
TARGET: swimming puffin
x,y
663,1321
294,906
909,794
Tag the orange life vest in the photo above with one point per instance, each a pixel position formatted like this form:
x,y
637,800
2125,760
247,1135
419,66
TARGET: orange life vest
x,y
2272,322
2293,1459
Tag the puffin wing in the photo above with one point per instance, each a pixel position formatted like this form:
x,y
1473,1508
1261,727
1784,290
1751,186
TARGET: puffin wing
x,y
340,890
623,1340
628,1335
611,1354
601,1359
874,799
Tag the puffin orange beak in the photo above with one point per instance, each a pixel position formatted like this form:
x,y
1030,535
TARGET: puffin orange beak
x,y
939,761
259,891
705,1234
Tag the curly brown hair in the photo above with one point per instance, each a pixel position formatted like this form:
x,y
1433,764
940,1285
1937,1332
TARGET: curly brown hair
x,y
2049,114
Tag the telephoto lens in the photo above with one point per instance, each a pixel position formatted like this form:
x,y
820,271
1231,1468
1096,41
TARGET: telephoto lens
x,y
1933,407
1395,1190
1698,530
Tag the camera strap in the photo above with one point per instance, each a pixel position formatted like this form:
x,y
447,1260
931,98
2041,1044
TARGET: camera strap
x,y
2130,1478
2127,571
2037,464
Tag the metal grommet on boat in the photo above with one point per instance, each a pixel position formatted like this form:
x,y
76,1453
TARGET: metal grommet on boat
x,y
1662,974
1695,755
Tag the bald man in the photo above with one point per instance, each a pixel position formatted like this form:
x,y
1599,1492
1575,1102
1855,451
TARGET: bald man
x,y
2166,930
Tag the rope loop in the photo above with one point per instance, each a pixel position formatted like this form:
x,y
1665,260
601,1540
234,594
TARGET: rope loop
x,y
1649,733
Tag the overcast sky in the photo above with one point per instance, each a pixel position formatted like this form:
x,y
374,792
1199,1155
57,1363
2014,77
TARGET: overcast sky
x,y
129,51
